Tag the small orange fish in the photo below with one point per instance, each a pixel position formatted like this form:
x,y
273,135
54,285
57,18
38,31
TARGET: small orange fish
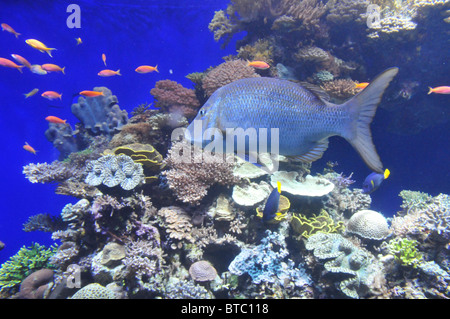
x,y
21,60
258,64
38,45
106,73
28,148
440,90
78,41
146,69
104,58
51,95
10,64
53,68
6,27
90,93
362,85
55,120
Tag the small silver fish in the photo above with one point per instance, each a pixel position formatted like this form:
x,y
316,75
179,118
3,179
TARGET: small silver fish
x,y
304,120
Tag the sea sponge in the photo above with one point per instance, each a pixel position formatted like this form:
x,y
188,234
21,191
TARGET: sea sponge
x,y
368,224
202,270
94,291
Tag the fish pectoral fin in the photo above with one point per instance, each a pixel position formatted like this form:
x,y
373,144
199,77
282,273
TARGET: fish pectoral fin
x,y
314,154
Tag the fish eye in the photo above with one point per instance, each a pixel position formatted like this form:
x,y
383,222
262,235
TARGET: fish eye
x,y
202,112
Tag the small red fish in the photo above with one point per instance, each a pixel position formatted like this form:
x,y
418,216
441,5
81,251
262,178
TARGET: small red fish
x,y
6,27
55,120
10,64
362,85
53,68
146,69
106,73
440,90
28,148
91,93
51,95
258,64
21,60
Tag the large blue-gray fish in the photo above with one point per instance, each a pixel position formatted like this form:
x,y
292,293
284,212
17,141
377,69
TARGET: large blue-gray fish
x,y
304,119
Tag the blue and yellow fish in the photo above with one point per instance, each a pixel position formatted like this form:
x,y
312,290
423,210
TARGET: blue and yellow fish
x,y
374,180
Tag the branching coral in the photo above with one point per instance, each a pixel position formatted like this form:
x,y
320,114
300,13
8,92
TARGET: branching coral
x,y
405,251
307,227
172,97
46,173
226,73
177,224
340,89
190,179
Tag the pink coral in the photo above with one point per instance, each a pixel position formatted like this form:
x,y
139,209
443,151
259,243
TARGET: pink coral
x,y
226,73
190,180
173,97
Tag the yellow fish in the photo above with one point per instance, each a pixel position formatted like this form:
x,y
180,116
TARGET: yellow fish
x,y
31,93
78,41
38,45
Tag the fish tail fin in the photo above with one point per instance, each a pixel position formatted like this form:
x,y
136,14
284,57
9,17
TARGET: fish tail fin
x,y
20,68
156,68
17,34
386,173
430,90
63,70
118,72
60,96
49,52
362,108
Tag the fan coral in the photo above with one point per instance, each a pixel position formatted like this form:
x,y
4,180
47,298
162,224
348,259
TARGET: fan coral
x,y
267,262
307,227
342,256
226,73
113,170
101,114
94,291
172,97
202,270
191,180
368,224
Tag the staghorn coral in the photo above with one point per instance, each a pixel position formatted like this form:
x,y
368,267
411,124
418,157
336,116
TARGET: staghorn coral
x,y
101,114
190,179
341,256
172,97
226,73
368,224
405,251
111,170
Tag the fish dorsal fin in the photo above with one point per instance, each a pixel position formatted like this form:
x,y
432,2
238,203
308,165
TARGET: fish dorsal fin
x,y
316,90
314,154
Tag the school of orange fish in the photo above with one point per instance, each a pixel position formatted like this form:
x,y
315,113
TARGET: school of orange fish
x,y
49,67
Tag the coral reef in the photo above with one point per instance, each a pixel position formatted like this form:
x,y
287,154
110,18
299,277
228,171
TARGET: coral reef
x,y
368,224
94,291
202,270
323,223
37,285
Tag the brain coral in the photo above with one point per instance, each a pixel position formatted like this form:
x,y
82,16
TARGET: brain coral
x,y
368,224
202,271
94,291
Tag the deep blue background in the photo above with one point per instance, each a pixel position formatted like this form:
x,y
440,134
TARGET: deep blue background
x,y
173,34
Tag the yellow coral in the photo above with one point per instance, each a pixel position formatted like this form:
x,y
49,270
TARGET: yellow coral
x,y
321,223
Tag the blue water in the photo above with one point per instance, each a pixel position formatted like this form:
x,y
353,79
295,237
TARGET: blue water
x,y
174,35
